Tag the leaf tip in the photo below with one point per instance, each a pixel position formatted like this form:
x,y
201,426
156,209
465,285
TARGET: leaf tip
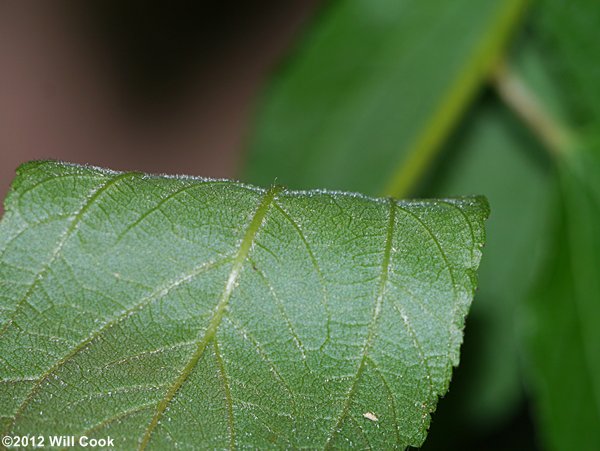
x,y
484,206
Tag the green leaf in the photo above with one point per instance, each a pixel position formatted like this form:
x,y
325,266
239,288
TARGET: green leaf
x,y
212,314
569,32
563,320
374,90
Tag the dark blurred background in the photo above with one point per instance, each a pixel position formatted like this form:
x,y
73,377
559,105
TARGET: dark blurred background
x,y
134,85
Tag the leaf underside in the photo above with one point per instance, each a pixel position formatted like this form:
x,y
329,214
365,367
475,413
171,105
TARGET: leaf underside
x,y
207,313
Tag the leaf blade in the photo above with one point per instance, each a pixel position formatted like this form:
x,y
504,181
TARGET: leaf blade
x,y
209,303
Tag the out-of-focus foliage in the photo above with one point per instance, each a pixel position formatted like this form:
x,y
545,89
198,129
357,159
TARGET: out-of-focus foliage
x,y
373,90
563,322
363,105
568,30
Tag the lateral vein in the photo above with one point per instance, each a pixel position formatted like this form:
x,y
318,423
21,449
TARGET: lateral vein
x,y
385,270
72,227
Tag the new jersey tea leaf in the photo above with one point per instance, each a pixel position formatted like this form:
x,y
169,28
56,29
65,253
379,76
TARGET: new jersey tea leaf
x,y
212,314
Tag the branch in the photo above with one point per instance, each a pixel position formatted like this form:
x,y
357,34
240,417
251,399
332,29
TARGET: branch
x,y
515,93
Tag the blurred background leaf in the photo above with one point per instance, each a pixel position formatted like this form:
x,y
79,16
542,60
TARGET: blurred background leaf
x,y
568,32
564,312
373,90
562,317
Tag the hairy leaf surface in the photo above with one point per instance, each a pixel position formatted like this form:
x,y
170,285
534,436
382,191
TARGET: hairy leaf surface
x,y
208,313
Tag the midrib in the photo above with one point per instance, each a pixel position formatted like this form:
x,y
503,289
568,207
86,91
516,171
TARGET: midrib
x,y
218,314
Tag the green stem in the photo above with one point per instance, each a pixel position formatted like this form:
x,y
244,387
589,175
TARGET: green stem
x,y
519,98
461,91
